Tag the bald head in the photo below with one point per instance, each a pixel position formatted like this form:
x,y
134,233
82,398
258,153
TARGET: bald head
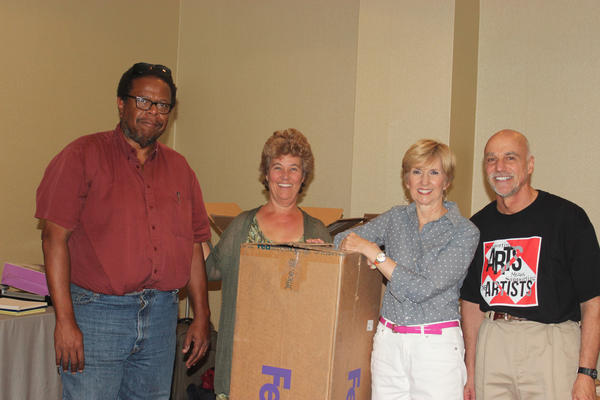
x,y
508,163
509,135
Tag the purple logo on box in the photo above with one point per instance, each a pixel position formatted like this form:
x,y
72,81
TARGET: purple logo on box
x,y
270,391
353,376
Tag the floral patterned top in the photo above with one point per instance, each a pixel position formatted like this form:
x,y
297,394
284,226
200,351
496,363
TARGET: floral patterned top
x,y
255,235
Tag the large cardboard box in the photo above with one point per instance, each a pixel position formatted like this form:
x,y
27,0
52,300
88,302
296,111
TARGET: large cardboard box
x,y
305,321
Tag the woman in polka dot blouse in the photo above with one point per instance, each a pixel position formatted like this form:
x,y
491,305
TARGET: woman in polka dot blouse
x,y
418,349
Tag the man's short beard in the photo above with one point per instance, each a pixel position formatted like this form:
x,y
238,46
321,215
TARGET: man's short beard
x,y
505,195
139,139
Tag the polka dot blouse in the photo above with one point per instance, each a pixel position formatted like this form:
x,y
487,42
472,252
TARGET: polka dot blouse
x,y
432,264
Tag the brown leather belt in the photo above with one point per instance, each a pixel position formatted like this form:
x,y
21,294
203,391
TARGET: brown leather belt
x,y
493,315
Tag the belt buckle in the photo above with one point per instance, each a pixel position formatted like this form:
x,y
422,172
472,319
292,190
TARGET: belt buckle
x,y
395,326
500,315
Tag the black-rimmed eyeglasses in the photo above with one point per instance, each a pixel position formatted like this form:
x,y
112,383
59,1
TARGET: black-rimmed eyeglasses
x,y
142,67
145,104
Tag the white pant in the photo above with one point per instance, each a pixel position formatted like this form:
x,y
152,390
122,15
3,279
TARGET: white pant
x,y
418,366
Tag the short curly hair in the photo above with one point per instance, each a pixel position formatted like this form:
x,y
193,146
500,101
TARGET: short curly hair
x,y
423,152
287,143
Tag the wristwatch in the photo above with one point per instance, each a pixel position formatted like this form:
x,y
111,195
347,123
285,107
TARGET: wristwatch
x,y
588,371
379,258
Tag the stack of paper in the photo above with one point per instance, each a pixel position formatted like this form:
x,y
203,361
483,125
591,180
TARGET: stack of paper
x,y
21,307
15,293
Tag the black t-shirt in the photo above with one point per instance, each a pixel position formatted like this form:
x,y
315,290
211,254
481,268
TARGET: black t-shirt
x,y
539,263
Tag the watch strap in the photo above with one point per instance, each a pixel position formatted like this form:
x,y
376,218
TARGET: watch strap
x,y
588,371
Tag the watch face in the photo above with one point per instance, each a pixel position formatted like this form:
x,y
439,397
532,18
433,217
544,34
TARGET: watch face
x,y
381,257
594,374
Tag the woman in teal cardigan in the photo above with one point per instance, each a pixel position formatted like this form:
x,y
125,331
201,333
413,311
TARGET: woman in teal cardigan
x,y
286,163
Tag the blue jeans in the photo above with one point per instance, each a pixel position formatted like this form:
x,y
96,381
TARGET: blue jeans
x,y
128,343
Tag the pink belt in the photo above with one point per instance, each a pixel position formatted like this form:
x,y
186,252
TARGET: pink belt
x,y
432,329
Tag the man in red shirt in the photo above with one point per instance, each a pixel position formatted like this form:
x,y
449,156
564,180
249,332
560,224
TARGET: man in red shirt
x,y
124,221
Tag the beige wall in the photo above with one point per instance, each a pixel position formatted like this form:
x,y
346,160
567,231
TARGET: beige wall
x,y
539,73
248,69
61,62
464,101
363,79
403,93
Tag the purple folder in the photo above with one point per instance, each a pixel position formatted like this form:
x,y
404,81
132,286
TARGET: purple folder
x,y
29,277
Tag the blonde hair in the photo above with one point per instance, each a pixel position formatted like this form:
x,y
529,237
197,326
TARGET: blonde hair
x,y
424,152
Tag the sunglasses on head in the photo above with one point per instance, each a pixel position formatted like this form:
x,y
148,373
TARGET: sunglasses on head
x,y
141,67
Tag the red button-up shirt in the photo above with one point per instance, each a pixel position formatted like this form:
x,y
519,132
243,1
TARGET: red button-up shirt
x,y
132,228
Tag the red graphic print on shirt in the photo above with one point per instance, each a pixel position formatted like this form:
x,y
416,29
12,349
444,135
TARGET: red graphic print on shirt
x,y
510,271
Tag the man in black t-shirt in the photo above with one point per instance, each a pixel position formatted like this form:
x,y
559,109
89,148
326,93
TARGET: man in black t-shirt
x,y
535,275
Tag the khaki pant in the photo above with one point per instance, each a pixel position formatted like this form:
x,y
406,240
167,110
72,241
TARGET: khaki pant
x,y
526,360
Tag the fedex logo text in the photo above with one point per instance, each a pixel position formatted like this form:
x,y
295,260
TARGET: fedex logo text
x,y
270,391
353,376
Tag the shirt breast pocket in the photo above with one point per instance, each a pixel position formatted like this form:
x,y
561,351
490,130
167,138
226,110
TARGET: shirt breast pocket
x,y
181,216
